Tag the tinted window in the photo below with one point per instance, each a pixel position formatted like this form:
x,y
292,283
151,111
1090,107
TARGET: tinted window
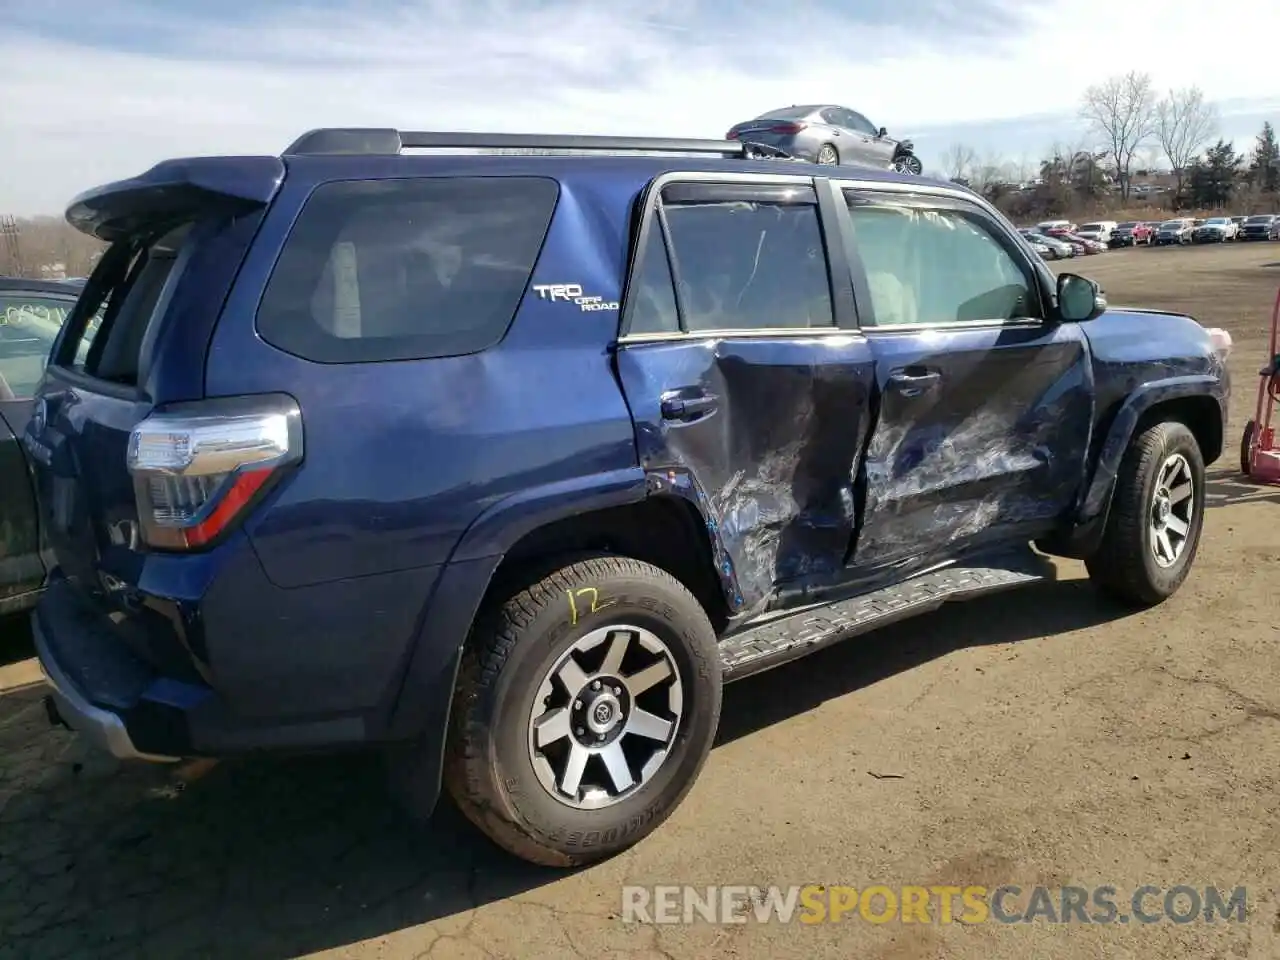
x,y
403,269
1261,219
786,113
750,265
122,296
652,299
930,264
28,325
858,122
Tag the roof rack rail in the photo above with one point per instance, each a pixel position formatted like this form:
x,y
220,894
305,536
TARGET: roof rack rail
x,y
374,141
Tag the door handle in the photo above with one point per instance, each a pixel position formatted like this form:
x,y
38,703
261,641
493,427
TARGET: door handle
x,y
913,381
685,408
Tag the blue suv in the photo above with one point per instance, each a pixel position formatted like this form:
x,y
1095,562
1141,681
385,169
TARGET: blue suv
x,y
504,463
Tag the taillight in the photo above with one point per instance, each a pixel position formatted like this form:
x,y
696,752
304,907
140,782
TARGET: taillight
x,y
786,129
198,468
731,135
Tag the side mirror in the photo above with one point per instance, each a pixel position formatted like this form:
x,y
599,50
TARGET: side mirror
x,y
883,133
1079,299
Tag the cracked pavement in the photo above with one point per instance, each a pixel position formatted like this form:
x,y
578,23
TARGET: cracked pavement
x,y
1040,736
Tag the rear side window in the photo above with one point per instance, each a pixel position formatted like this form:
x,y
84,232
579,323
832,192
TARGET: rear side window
x,y
406,269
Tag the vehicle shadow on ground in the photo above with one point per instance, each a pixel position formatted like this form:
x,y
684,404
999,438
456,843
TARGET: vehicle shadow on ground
x,y
275,859
1028,613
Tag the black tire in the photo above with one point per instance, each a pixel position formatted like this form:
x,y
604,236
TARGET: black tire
x,y
1246,442
908,163
1124,565
488,769
827,154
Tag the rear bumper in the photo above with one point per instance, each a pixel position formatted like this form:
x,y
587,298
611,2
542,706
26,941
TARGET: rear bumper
x,y
101,728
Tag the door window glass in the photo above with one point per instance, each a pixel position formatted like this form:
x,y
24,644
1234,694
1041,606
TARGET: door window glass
x,y
750,265
936,265
652,301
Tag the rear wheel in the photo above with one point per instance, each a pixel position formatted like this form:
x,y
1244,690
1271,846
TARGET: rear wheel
x,y
827,154
1153,530
586,706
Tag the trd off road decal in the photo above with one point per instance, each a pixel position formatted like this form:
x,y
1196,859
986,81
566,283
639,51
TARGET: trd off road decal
x,y
572,293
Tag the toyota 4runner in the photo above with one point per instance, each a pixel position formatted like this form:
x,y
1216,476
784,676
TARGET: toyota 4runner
x,y
504,464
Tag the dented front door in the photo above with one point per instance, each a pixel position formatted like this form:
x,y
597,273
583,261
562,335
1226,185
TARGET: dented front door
x,y
985,406
749,388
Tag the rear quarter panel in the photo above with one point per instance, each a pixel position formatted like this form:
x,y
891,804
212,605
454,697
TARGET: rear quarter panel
x,y
402,457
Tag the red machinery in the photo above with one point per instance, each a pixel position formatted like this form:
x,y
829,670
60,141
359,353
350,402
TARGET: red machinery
x,y
1259,458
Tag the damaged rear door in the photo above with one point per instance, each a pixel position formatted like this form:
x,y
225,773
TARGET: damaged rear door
x,y
747,379
985,405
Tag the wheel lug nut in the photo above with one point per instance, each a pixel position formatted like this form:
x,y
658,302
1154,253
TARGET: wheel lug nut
x,y
617,691
579,731
595,684
600,736
577,704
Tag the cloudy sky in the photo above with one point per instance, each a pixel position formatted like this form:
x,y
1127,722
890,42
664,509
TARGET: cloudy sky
x,y
99,90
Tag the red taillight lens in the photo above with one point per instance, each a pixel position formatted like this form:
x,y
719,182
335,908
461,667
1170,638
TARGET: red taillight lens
x,y
198,468
731,135
786,129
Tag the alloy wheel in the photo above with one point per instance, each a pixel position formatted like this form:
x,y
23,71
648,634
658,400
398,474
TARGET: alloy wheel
x,y
1172,510
605,717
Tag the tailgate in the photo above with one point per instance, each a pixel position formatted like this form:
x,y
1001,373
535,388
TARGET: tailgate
x,y
133,342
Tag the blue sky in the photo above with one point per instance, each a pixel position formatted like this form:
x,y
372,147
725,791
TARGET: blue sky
x,y
97,91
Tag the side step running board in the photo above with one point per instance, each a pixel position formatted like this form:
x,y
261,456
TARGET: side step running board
x,y
788,638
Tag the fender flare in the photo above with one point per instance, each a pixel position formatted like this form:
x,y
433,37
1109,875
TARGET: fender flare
x,y
1097,499
420,704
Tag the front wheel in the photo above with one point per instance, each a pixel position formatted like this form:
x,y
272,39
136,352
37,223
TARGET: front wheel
x,y
908,163
1153,529
586,706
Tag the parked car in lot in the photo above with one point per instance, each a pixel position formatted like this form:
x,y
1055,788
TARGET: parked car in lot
x,y
1239,222
1099,231
432,453
31,313
1174,231
1130,233
1083,245
1049,226
828,133
1058,249
1262,226
1215,230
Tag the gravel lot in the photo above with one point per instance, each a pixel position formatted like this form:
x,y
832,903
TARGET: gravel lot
x,y
1040,737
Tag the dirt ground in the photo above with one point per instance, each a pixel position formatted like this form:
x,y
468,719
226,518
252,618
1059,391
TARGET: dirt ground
x,y
1040,737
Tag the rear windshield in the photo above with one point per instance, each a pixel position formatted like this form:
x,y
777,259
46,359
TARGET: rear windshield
x,y
121,299
406,269
787,113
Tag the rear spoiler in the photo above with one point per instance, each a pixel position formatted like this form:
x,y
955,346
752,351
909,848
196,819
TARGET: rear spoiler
x,y
176,190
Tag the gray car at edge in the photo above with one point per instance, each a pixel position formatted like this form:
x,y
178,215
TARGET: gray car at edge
x,y
828,133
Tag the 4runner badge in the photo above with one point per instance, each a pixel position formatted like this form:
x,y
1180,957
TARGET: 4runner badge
x,y
572,293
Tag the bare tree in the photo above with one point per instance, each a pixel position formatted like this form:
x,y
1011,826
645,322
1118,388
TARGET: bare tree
x,y
959,161
1122,110
1184,124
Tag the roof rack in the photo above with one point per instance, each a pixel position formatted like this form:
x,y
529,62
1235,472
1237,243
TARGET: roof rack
x,y
374,141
